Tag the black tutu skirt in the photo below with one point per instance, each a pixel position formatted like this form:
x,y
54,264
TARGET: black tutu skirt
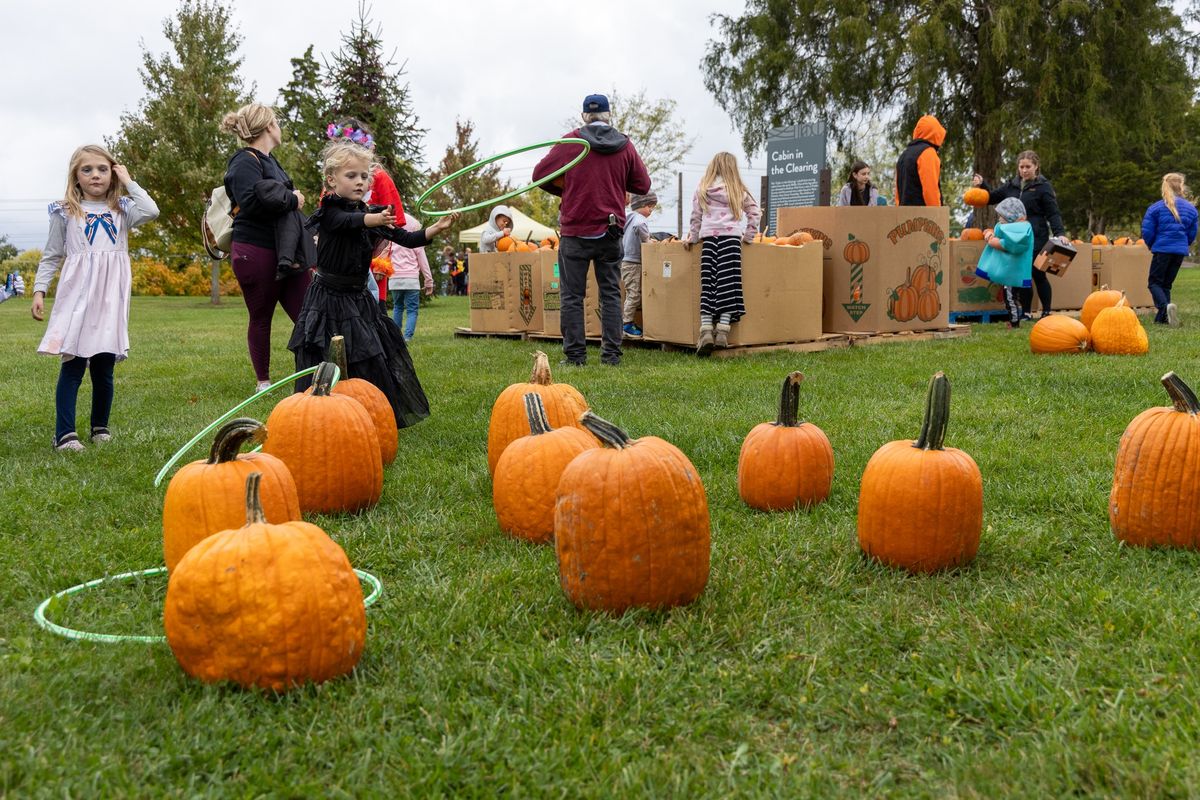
x,y
375,348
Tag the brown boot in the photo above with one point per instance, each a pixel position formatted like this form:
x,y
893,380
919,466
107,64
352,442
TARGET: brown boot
x,y
722,338
705,345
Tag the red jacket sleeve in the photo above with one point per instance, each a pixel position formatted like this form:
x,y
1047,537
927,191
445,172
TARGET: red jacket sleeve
x,y
383,193
559,156
638,181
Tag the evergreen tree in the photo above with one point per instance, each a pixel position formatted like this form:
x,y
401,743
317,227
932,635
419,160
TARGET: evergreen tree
x,y
304,111
172,143
366,85
474,187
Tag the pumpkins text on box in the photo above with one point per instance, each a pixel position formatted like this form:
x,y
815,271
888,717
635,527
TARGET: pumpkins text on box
x,y
509,420
523,488
977,197
1117,331
372,399
205,497
1058,333
631,525
1098,301
330,444
265,606
787,463
1155,498
920,506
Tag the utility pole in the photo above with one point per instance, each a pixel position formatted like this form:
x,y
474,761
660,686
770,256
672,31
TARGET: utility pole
x,y
680,209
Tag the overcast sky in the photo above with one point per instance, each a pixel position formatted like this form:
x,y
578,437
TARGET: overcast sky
x,y
516,69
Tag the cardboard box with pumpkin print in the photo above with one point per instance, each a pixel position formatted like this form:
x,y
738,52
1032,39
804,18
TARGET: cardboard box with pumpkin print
x,y
505,291
1126,268
968,291
1069,290
886,268
781,287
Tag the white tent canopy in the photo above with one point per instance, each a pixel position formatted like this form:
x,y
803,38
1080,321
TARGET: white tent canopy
x,y
523,227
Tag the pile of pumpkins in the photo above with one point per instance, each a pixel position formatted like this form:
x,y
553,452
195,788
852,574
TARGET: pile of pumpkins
x,y
1106,325
256,595
507,243
795,239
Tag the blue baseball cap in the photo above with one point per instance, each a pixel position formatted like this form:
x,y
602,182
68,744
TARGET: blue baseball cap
x,y
595,103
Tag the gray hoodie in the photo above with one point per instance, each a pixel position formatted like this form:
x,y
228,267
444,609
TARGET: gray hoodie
x,y
492,233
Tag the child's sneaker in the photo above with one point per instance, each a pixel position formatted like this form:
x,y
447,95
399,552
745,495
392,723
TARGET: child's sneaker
x,y
1172,315
632,330
69,443
101,435
258,387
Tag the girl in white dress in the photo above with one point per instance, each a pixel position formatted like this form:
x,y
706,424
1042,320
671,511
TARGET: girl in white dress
x,y
89,323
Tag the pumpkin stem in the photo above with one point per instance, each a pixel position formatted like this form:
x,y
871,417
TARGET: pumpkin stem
x,y
337,352
541,369
232,436
789,401
1120,303
1181,394
324,378
254,509
535,410
937,414
605,431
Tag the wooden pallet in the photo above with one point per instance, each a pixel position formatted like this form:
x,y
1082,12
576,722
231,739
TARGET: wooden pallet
x,y
989,315
868,338
467,333
828,341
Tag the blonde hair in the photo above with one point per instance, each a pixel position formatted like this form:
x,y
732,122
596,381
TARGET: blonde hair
x,y
249,121
1173,187
73,198
340,153
724,166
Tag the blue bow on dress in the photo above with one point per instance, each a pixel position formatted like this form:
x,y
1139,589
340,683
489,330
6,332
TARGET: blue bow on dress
x,y
105,221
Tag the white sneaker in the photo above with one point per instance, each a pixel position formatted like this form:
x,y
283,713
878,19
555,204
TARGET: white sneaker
x,y
1172,315
258,387
69,443
101,435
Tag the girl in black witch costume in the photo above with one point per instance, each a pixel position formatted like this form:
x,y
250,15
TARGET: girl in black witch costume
x,y
338,303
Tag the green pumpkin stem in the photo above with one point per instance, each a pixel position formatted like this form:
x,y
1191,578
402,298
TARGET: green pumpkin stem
x,y
541,369
1181,394
323,379
337,352
937,414
232,435
789,401
535,410
605,431
254,509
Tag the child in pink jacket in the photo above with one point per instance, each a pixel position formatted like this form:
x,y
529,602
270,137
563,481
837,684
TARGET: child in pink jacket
x,y
410,267
724,214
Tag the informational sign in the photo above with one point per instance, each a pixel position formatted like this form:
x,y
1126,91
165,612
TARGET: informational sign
x,y
795,158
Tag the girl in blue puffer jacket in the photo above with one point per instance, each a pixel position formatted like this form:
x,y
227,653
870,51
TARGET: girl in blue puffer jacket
x,y
1169,229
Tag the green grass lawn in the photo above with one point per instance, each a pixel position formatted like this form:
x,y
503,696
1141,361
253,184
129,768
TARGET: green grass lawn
x,y
1056,664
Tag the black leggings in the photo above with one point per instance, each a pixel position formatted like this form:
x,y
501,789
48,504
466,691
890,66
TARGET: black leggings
x,y
70,376
1042,284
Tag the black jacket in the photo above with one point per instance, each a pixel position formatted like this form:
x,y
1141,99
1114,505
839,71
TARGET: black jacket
x,y
909,191
1041,207
294,246
344,243
257,210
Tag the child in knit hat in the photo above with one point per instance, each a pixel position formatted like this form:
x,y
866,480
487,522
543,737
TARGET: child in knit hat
x,y
1007,259
637,230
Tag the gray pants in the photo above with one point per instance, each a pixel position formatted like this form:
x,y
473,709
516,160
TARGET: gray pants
x,y
574,255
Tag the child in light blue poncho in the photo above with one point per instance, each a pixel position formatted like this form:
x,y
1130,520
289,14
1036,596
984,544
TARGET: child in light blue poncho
x,y
1008,257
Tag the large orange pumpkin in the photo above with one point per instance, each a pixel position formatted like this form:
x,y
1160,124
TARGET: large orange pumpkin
x,y
786,463
631,524
977,197
205,497
330,445
1117,331
921,505
509,420
1096,302
528,471
1058,333
266,606
1155,497
372,399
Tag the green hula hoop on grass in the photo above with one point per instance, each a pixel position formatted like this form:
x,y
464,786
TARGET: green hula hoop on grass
x,y
229,415
420,207
39,615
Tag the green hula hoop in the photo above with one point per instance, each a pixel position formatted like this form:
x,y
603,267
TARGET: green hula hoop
x,y
420,208
39,615
229,415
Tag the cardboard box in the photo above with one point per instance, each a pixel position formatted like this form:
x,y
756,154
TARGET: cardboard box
x,y
968,291
781,287
887,268
504,293
1124,268
1056,258
552,300
1069,290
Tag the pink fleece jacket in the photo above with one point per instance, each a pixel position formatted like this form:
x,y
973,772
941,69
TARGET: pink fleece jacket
x,y
718,219
409,264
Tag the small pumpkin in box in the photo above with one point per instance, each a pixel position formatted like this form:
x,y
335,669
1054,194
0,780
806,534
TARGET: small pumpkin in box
x,y
506,243
631,526
1117,331
265,606
1155,498
528,471
330,445
1096,302
786,463
1058,333
509,420
1100,240
921,504
372,399
205,497
972,235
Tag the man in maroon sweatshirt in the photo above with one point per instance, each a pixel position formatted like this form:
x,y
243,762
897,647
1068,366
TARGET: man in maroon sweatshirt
x,y
592,220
